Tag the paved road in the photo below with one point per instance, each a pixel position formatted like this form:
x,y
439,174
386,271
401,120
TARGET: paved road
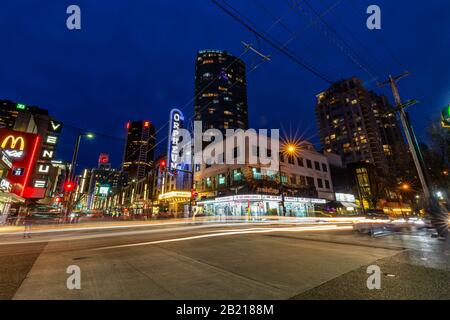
x,y
223,261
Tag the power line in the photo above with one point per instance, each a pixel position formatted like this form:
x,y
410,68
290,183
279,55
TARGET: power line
x,y
351,55
273,44
353,35
95,133
294,35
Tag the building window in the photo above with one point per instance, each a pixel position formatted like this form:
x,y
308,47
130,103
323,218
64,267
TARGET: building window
x,y
291,160
320,183
221,179
303,181
237,175
324,167
310,181
300,162
293,180
256,173
309,164
327,184
317,165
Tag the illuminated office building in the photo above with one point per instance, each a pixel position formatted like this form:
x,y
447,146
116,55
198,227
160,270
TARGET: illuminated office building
x,y
139,149
220,91
361,126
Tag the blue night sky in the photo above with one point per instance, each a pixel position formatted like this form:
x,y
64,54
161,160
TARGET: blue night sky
x,y
135,60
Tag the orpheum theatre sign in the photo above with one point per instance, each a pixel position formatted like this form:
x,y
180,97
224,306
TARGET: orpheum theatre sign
x,y
22,148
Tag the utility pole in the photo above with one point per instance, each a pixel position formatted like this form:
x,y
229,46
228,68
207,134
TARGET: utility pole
x,y
409,133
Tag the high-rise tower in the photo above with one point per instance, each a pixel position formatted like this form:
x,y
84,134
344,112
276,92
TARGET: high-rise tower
x,y
361,126
139,149
220,91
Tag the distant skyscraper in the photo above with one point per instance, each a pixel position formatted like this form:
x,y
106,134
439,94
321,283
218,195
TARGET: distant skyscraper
x,y
360,125
139,149
220,91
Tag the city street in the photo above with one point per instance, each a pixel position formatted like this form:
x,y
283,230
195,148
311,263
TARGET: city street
x,y
185,259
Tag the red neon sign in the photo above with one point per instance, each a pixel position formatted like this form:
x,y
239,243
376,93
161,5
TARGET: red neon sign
x,y
30,165
22,148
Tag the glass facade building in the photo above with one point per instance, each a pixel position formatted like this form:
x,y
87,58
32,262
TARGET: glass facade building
x,y
220,91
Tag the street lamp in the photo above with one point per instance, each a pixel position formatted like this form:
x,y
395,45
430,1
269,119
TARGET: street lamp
x,y
289,149
75,153
71,175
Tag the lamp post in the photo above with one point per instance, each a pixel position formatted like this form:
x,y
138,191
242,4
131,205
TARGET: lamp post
x,y
288,149
71,175
75,153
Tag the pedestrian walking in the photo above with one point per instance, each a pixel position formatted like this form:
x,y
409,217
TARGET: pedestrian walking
x,y
27,223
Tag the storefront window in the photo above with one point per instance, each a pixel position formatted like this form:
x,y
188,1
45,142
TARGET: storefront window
x,y
237,175
256,173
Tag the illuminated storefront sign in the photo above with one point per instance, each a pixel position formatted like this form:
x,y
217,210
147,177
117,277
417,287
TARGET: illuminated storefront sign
x,y
305,200
104,190
6,160
51,140
5,185
14,146
47,154
173,151
22,148
44,168
175,194
103,158
345,197
40,184
258,205
55,126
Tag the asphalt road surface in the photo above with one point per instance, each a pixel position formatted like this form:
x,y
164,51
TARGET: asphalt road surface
x,y
217,260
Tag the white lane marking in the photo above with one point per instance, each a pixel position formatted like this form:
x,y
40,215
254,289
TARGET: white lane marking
x,y
257,230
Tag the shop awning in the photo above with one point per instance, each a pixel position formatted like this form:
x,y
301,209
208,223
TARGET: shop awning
x,y
11,197
349,204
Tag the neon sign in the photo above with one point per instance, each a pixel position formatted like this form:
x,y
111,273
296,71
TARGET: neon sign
x,y
176,123
13,146
22,148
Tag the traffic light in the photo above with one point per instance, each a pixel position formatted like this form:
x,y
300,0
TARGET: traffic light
x,y
58,200
446,117
194,194
162,165
69,186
